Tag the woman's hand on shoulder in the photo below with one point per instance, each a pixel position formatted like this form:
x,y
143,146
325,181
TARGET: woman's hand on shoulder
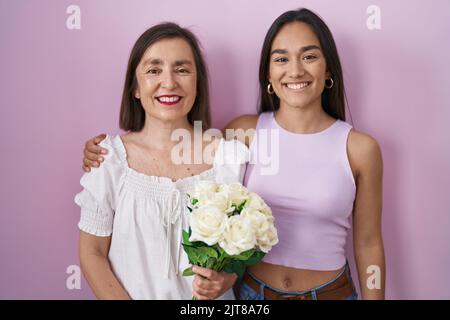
x,y
92,153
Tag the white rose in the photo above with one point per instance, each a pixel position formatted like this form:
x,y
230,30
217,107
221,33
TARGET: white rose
x,y
237,193
259,221
268,239
266,234
207,224
222,198
227,197
256,203
217,200
203,191
238,236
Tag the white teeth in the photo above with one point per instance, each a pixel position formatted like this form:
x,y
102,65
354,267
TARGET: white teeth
x,y
169,99
297,86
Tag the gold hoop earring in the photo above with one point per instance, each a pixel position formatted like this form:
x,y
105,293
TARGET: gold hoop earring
x,y
270,89
330,86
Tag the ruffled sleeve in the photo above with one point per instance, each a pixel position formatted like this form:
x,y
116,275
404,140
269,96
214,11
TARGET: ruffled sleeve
x,y
231,161
100,187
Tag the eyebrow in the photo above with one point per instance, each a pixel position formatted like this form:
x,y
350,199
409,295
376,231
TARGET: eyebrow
x,y
155,61
182,62
152,61
302,49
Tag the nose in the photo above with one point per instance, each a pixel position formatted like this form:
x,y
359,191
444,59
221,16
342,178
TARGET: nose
x,y
168,80
296,69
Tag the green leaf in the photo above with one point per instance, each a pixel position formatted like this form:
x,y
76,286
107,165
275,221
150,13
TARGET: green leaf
x,y
204,253
186,236
222,254
241,206
208,251
192,254
211,263
244,255
200,255
188,272
195,244
194,201
198,244
235,266
255,258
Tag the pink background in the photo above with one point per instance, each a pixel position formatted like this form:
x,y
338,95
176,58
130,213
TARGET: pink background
x,y
60,87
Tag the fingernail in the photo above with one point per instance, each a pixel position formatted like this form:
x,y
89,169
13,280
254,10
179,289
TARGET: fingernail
x,y
100,159
96,164
104,151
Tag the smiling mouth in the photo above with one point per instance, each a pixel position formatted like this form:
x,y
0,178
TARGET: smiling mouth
x,y
169,100
297,86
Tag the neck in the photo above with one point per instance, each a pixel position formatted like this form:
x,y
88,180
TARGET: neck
x,y
157,133
309,119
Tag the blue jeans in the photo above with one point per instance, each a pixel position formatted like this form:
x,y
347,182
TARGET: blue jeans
x,y
243,292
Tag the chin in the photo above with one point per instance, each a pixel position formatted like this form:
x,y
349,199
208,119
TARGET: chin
x,y
173,115
171,118
298,104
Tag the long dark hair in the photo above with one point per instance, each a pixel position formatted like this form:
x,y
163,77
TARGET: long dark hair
x,y
333,100
132,114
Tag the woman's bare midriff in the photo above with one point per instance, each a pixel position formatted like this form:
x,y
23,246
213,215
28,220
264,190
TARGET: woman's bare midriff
x,y
291,279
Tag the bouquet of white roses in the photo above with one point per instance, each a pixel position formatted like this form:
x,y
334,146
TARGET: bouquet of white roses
x,y
230,228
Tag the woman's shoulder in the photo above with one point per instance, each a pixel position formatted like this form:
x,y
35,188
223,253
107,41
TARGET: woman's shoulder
x,y
364,150
362,142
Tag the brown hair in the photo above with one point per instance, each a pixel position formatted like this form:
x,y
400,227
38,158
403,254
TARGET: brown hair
x,y
132,114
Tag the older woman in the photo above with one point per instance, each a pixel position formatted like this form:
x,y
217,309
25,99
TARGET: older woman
x,y
133,207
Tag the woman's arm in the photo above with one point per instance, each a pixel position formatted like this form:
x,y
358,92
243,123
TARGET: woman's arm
x,y
240,128
96,268
367,165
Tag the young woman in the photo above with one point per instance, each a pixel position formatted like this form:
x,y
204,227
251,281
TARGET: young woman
x,y
328,172
133,207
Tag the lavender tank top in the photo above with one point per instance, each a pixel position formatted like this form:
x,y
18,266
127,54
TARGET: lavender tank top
x,y
311,192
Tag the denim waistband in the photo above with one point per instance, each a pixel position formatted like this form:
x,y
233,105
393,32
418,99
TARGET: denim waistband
x,y
310,291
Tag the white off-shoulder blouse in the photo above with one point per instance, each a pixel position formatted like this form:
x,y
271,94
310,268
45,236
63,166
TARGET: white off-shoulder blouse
x,y
145,216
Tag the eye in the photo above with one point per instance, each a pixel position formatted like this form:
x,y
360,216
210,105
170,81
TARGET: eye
x,y
281,59
309,57
154,71
183,71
